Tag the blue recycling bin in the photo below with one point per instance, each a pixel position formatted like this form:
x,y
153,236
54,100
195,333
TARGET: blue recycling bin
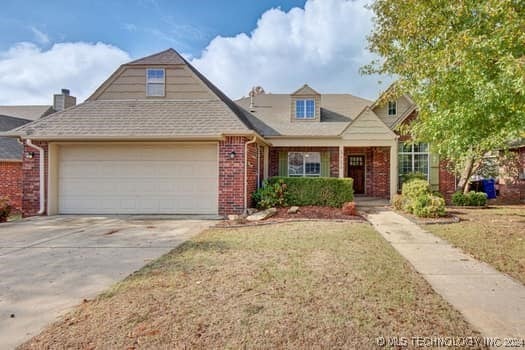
x,y
489,187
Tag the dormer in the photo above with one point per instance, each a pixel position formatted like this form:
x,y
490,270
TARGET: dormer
x,y
305,105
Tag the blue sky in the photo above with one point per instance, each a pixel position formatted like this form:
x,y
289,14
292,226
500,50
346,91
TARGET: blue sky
x,y
280,45
137,26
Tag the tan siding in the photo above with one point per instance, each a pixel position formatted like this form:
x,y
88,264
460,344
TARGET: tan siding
x,y
181,83
368,127
316,98
402,105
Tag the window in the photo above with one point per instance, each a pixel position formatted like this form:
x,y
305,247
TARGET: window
x,y
392,108
304,164
413,158
155,80
305,109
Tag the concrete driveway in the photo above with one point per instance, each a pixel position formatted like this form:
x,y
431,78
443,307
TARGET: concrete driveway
x,y
49,264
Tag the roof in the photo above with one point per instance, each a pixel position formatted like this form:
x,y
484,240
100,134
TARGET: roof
x,y
273,113
10,149
136,119
144,118
26,112
169,56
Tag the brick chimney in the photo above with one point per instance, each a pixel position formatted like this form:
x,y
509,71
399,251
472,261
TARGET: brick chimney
x,y
63,100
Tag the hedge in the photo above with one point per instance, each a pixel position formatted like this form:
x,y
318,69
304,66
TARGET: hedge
x,y
417,198
471,199
322,191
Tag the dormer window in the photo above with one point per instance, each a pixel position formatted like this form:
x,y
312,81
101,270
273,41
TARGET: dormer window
x,y
392,108
305,109
155,82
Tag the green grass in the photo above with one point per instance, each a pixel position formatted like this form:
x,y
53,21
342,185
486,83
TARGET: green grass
x,y
294,285
495,236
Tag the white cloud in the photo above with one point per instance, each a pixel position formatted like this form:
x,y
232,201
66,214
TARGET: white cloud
x,y
323,45
40,36
30,75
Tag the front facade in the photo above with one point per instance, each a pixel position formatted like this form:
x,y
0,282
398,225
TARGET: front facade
x,y
158,138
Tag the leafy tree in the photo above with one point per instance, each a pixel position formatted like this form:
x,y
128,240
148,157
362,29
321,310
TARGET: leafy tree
x,y
463,63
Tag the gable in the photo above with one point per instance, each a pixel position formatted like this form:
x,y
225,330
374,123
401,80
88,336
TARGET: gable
x,y
129,83
404,106
305,90
368,126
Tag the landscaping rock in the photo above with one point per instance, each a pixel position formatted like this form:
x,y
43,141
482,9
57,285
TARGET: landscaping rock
x,y
293,210
349,208
251,211
233,217
261,215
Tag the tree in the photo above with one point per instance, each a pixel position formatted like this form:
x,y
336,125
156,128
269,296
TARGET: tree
x,y
463,63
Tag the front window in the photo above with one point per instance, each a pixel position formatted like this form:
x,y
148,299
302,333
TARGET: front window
x,y
413,158
305,109
155,81
392,108
304,164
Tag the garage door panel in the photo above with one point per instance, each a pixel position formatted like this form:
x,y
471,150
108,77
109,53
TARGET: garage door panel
x,y
131,179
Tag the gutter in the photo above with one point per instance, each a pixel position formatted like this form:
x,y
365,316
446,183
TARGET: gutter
x,y
42,177
246,172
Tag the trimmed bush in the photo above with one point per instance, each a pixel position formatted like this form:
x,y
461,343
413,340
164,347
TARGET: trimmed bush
x,y
322,191
412,176
398,202
5,209
418,199
429,206
471,199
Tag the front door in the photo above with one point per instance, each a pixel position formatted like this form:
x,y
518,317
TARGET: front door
x,y
356,170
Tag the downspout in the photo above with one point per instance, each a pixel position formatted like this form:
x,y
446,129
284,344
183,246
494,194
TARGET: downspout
x,y
42,177
246,173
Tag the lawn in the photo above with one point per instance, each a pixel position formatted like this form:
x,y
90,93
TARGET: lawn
x,y
495,236
293,285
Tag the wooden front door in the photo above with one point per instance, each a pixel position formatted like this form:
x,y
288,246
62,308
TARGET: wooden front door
x,y
356,170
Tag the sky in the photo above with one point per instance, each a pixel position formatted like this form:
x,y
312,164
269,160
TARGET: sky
x,y
237,44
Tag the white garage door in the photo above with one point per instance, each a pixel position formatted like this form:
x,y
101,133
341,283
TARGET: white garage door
x,y
137,179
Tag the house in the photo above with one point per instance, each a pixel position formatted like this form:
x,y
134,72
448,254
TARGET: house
x,y
158,137
11,151
511,177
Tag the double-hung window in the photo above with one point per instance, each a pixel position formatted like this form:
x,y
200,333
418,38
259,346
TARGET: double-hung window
x,y
304,109
304,164
155,82
392,108
413,158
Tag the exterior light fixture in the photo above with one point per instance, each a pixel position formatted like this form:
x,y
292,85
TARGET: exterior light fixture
x,y
232,154
29,155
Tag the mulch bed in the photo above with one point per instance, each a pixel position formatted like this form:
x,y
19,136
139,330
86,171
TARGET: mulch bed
x,y
305,213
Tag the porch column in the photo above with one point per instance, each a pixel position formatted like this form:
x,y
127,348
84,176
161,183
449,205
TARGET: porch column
x,y
393,169
341,161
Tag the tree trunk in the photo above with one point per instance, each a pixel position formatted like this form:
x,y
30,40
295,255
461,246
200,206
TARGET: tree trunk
x,y
465,175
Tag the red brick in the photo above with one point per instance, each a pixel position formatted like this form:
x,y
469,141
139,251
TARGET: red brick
x,y
11,183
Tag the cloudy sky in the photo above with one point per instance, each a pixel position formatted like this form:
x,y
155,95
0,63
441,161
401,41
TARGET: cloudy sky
x,y
279,45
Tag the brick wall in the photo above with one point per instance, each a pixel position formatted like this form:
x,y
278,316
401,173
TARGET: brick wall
x,y
231,175
11,183
251,172
512,189
447,181
377,169
274,158
31,180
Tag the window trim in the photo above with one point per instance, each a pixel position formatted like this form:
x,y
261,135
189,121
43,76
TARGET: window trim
x,y
389,108
304,174
412,156
306,117
156,83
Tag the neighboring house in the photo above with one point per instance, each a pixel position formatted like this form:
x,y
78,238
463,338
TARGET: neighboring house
x,y
512,181
158,137
11,150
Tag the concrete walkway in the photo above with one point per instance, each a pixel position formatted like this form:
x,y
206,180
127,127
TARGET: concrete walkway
x,y
491,301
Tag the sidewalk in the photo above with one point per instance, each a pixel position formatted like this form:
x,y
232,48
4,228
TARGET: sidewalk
x,y
491,301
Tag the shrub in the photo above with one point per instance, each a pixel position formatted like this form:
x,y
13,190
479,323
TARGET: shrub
x,y
397,202
412,190
5,209
471,199
322,191
412,176
270,195
429,206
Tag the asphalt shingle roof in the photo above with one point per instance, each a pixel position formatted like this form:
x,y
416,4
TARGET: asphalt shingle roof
x,y
136,118
26,112
10,149
271,115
